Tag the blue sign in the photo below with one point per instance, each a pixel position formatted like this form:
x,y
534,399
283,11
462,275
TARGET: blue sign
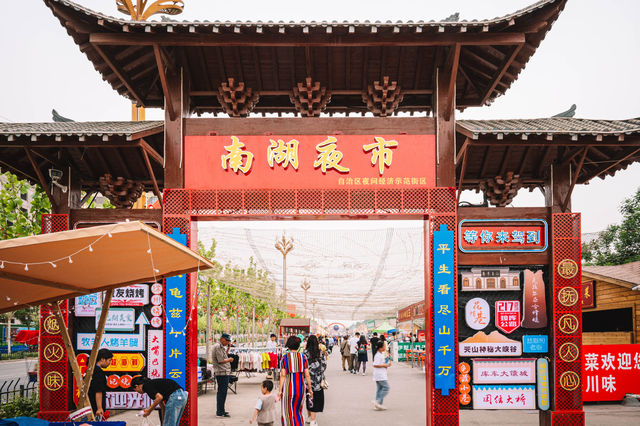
x,y
535,344
444,310
176,327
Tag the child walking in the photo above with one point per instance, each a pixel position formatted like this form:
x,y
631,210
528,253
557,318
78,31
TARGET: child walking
x,y
380,366
265,410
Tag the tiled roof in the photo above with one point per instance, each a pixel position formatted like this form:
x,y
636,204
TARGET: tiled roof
x,y
556,125
629,272
232,26
88,128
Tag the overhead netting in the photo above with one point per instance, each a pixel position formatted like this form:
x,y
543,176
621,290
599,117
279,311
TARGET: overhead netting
x,y
357,269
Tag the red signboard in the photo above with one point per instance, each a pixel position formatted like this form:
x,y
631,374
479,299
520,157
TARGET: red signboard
x,y
588,298
503,235
610,371
508,315
310,161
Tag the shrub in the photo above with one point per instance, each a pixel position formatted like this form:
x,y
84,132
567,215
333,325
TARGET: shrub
x,y
18,407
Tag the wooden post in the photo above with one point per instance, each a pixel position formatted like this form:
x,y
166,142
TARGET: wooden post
x,y
557,188
71,355
96,347
174,136
445,130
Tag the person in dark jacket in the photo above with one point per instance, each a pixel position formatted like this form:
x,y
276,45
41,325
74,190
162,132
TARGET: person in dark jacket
x,y
166,393
373,341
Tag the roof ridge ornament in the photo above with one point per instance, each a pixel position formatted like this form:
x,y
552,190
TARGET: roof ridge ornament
x,y
140,12
568,113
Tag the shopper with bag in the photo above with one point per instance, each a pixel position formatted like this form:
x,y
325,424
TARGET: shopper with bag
x,y
317,367
166,393
362,354
98,388
346,354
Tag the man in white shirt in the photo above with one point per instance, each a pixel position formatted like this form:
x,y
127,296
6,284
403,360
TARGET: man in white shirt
x,y
353,351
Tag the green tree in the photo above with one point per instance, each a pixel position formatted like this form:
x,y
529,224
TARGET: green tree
x,y
617,244
16,221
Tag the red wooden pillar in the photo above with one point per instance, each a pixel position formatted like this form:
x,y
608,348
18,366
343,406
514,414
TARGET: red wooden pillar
x,y
54,373
176,202
442,410
567,323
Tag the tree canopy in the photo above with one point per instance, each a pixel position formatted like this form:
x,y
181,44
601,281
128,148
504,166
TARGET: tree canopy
x,y
618,244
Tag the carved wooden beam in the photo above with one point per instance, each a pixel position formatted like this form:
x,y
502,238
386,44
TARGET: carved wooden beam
x,y
501,190
236,99
120,191
310,98
382,99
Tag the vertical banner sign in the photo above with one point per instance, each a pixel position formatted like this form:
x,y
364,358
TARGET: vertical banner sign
x,y
176,314
444,310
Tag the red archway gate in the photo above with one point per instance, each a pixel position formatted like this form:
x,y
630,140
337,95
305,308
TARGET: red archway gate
x,y
437,206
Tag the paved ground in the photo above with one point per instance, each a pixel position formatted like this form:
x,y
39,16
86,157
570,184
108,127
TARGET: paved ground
x,y
348,403
16,369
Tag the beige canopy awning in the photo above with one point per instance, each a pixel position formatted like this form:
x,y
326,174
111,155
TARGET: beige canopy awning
x,y
44,268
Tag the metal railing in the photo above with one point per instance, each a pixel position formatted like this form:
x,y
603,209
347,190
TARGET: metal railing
x,y
17,388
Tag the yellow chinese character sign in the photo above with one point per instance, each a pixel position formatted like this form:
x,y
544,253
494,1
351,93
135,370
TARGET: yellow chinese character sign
x,y
318,161
237,158
381,152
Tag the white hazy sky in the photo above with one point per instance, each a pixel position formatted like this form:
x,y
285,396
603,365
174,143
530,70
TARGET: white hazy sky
x,y
590,57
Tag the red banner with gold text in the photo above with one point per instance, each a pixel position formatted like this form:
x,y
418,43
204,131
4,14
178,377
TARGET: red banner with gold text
x,y
310,161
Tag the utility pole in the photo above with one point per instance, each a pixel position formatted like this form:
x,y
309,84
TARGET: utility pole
x,y
284,246
305,286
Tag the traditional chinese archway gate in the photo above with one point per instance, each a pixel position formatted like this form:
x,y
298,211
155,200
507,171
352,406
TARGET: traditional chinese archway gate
x,y
436,206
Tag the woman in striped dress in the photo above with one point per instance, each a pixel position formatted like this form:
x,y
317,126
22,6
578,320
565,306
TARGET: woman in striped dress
x,y
294,372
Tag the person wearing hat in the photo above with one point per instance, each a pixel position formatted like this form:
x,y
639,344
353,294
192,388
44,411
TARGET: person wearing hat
x,y
222,371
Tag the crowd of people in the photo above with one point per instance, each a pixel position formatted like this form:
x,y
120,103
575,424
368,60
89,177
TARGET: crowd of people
x,y
302,380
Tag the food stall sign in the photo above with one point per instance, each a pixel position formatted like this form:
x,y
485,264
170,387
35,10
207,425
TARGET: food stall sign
x,y
502,235
176,315
588,296
508,315
504,397
508,371
609,372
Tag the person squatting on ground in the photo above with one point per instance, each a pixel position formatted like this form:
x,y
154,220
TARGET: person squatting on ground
x,y
317,367
222,371
362,354
380,366
294,372
265,409
346,353
353,351
98,388
166,393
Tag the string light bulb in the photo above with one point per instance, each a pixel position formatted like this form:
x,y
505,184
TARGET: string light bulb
x,y
149,251
109,234
2,265
53,265
90,248
70,260
8,298
26,267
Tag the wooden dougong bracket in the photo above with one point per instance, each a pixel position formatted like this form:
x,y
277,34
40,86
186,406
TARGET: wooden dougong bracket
x,y
501,190
120,191
383,99
236,99
310,98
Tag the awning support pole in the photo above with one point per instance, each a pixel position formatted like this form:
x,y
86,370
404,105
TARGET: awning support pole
x,y
84,390
71,355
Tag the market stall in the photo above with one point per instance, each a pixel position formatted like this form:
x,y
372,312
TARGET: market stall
x,y
51,268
